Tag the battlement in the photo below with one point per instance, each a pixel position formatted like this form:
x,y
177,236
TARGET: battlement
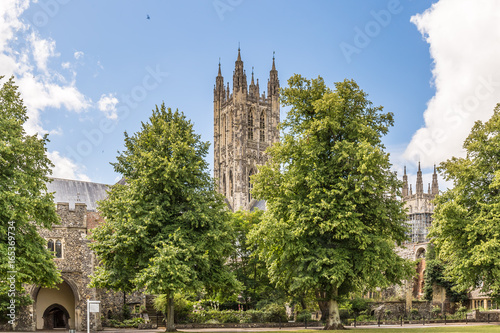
x,y
76,217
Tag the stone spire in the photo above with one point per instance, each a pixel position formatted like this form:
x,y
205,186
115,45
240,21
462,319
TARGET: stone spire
x,y
239,76
273,85
405,183
435,186
420,184
219,93
253,89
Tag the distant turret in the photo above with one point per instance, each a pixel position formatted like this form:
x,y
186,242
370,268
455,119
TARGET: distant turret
x,y
405,183
435,186
420,184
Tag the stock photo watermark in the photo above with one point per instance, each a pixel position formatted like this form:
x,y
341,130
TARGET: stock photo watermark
x,y
11,261
138,93
223,6
456,115
48,9
363,36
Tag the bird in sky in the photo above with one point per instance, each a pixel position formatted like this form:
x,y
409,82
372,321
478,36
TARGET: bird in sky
x,y
147,17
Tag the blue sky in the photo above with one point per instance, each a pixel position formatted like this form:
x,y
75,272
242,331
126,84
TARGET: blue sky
x,y
90,70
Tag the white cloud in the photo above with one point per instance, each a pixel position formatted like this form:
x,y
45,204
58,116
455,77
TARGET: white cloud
x,y
65,168
66,65
107,104
25,54
43,49
463,38
78,55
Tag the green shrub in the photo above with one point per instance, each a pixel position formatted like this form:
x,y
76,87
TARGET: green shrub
x,y
127,323
359,304
303,316
436,310
274,313
126,312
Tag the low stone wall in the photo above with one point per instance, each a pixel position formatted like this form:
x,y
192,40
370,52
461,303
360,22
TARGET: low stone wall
x,y
398,309
484,315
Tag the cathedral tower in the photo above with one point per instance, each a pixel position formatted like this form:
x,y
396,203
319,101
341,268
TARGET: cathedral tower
x,y
245,124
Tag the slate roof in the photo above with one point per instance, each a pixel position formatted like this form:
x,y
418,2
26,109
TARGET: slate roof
x,y
73,191
261,204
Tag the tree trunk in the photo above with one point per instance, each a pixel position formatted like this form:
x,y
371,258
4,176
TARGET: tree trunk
x,y
323,305
333,322
170,325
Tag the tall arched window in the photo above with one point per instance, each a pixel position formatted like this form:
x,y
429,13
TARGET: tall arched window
x,y
50,245
223,129
224,184
231,183
230,126
58,249
262,127
250,125
250,185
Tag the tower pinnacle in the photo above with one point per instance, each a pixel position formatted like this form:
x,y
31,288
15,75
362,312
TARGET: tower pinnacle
x,y
435,186
420,184
405,183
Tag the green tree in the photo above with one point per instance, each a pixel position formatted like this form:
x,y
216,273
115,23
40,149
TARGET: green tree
x,y
167,227
251,271
25,205
333,214
434,268
466,224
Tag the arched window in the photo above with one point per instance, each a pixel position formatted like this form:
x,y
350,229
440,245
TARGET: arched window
x,y
50,245
250,125
223,130
230,130
262,127
224,184
250,185
231,183
58,249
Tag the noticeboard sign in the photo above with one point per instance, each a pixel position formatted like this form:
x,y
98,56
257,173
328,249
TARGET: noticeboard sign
x,y
93,307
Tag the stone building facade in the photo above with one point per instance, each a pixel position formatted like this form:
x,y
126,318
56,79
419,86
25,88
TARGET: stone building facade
x,y
65,307
420,208
245,124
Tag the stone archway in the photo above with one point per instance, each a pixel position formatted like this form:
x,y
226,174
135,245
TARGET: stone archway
x,y
55,307
55,316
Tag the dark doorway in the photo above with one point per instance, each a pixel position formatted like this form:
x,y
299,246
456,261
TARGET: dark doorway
x,y
55,316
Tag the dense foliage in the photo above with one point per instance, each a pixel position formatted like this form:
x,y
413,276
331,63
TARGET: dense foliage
x,y
25,205
166,228
434,268
333,215
249,269
466,225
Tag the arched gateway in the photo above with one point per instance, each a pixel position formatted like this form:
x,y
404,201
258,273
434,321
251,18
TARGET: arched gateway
x,y
55,316
55,307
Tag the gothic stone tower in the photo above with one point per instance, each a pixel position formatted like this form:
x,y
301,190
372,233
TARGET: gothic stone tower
x,y
420,206
245,124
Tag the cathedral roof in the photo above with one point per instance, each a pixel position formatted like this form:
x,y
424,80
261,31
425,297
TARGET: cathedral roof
x,y
261,204
77,191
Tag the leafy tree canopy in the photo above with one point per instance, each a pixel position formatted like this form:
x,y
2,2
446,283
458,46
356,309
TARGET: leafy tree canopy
x,y
166,228
434,275
248,268
333,215
25,204
466,224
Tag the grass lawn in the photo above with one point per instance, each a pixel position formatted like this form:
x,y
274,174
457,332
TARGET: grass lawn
x,y
412,329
